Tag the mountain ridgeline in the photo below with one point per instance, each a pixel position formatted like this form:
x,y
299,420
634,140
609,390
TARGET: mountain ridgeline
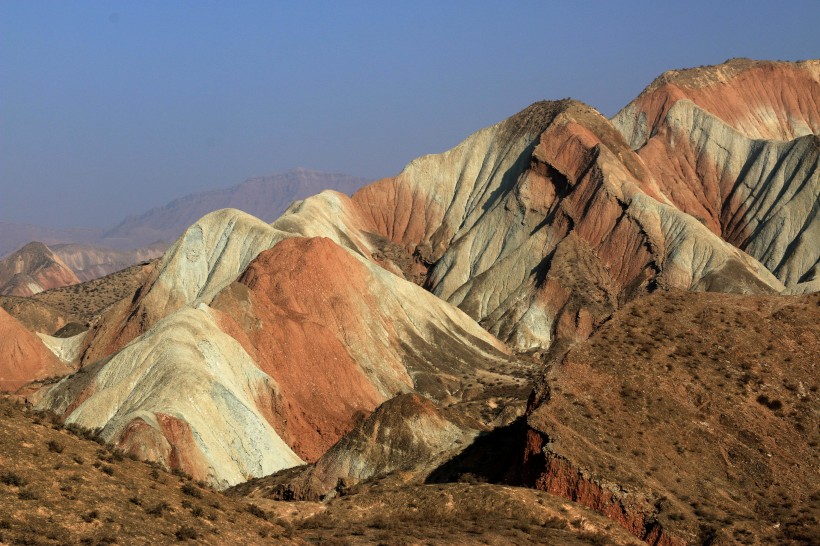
x,y
621,313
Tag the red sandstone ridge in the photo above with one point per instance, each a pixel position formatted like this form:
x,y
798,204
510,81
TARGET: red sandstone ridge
x,y
281,300
33,269
760,99
736,146
24,357
281,344
339,336
540,225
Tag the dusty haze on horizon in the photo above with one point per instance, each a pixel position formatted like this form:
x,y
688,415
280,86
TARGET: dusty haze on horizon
x,y
111,108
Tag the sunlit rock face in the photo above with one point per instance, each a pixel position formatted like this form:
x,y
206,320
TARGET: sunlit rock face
x,y
33,269
544,222
736,146
254,347
25,357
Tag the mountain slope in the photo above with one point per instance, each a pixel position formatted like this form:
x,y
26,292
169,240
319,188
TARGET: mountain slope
x,y
25,357
501,217
544,241
688,418
33,269
191,323
733,145
91,493
14,236
764,100
92,262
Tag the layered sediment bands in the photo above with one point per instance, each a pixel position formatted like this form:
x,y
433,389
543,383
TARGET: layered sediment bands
x,y
24,356
498,216
329,326
33,269
310,338
408,434
761,196
760,99
185,394
208,256
547,472
736,146
672,400
211,254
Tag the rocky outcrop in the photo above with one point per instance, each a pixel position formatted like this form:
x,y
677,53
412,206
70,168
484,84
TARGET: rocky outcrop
x,y
330,333
501,217
763,100
185,394
328,325
736,146
408,434
33,269
25,358
209,255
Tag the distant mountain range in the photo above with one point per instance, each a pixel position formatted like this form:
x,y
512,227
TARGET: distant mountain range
x,y
621,313
265,197
92,253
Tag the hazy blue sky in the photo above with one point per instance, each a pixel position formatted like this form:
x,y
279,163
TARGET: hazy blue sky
x,y
109,108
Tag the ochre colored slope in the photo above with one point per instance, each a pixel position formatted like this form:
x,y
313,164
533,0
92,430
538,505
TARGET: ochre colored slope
x,y
32,269
23,357
688,417
760,99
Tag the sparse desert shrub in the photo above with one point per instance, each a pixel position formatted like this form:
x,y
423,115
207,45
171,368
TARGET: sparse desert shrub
x,y
90,516
135,501
55,446
157,509
180,473
27,494
191,490
186,533
10,478
595,538
381,522
108,469
77,459
116,456
256,511
771,404
555,523
469,477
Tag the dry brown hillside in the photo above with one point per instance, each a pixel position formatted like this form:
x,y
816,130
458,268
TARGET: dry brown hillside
x,y
689,418
86,300
57,486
